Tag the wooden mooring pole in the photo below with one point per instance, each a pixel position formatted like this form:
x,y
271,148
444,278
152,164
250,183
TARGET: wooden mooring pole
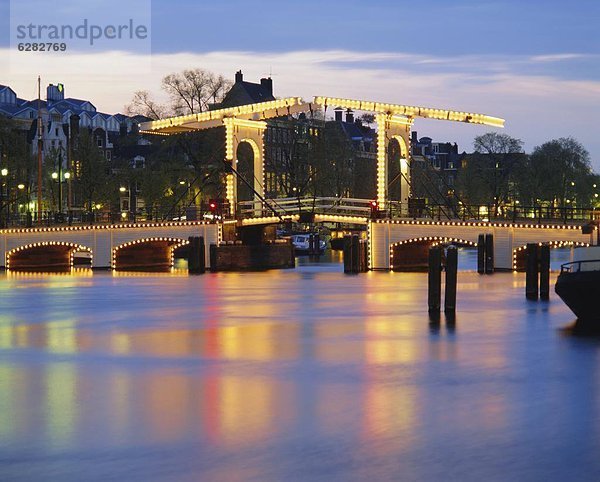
x,y
451,279
435,279
489,253
531,275
196,255
481,254
545,272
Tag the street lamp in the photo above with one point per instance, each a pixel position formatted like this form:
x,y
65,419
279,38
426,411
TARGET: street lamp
x,y
56,177
69,198
28,206
5,195
61,177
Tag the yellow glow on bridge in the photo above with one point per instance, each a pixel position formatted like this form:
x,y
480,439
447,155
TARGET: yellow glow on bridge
x,y
411,111
293,105
214,118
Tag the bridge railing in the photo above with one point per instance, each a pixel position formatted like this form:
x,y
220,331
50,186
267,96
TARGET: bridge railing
x,y
320,205
81,217
516,213
419,209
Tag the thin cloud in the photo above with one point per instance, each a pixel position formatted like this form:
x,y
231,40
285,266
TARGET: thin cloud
x,y
558,57
536,107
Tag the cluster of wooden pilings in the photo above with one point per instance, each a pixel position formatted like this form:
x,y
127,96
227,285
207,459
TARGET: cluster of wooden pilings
x,y
537,274
485,254
434,293
355,254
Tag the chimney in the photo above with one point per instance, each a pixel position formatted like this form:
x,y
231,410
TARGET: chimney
x,y
267,84
413,137
338,114
55,93
349,116
239,77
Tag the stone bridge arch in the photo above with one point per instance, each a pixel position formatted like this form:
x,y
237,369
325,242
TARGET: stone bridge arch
x,y
150,253
44,256
412,254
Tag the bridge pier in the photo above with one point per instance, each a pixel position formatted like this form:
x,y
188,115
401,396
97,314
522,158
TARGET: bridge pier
x,y
251,247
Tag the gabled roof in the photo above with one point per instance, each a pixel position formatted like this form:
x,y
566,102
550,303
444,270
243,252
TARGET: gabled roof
x,y
78,102
34,104
62,109
355,132
10,109
140,118
242,93
3,87
75,104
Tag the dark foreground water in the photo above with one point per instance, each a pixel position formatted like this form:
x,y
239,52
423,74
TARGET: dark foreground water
x,y
303,375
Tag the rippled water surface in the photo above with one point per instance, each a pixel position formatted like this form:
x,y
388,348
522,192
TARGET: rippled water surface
x,y
302,374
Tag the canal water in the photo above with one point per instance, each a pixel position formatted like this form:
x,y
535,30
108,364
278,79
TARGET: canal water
x,y
304,374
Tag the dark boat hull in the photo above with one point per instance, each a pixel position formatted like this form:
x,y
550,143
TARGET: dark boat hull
x,y
581,293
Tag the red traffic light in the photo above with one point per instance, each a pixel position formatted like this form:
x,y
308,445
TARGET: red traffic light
x,y
374,208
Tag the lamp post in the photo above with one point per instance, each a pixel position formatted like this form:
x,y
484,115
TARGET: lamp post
x,y
28,205
55,178
124,212
5,196
67,176
60,177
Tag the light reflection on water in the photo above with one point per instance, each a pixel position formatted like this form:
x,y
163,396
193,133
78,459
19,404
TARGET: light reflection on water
x,y
298,374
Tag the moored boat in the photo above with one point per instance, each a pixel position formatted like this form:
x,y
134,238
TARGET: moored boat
x,y
578,284
305,243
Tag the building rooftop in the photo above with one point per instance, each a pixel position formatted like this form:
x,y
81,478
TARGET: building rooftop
x,y
243,92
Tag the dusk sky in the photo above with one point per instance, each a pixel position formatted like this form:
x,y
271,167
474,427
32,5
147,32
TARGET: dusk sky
x,y
534,63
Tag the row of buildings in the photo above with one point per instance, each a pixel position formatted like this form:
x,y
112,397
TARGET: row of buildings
x,y
62,119
344,145
58,113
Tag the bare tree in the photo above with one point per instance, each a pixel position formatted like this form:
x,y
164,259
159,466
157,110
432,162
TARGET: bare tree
x,y
367,118
218,87
192,90
143,104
